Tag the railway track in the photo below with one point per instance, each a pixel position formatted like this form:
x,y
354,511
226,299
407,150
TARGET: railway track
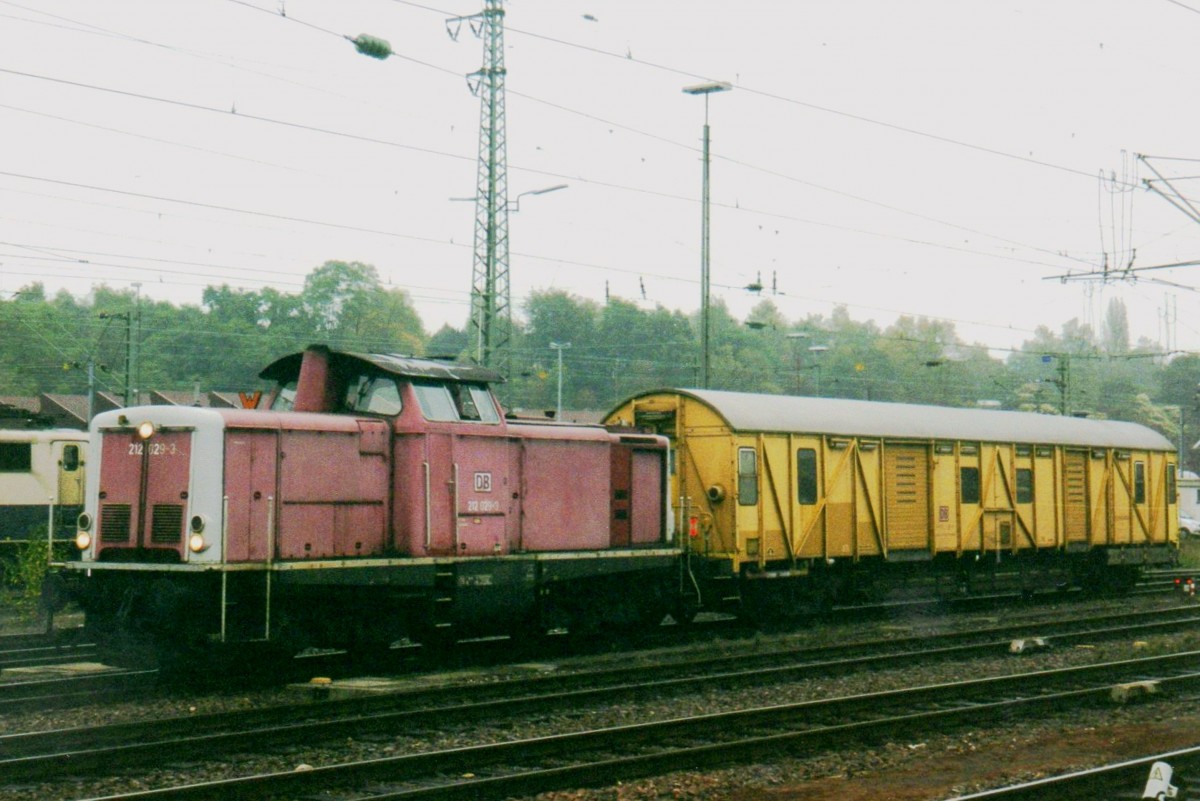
x,y
42,693
1126,779
37,652
608,755
32,756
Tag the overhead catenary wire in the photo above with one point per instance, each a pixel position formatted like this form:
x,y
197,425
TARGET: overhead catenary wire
x,y
563,261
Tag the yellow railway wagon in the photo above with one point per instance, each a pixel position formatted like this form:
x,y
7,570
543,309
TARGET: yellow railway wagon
x,y
772,486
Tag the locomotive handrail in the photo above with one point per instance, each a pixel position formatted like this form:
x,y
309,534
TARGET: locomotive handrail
x,y
428,511
50,534
224,562
270,554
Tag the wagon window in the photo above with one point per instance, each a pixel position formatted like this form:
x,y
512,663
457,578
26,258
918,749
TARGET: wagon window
x,y
806,475
1139,482
16,457
969,484
747,477
1024,485
1172,490
70,459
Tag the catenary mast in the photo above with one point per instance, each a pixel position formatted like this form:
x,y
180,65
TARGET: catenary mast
x,y
491,311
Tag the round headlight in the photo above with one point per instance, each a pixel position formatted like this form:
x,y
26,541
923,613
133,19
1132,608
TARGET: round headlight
x,y
145,430
84,523
196,543
197,523
83,540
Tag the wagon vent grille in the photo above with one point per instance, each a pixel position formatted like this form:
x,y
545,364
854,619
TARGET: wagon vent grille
x,y
166,526
114,522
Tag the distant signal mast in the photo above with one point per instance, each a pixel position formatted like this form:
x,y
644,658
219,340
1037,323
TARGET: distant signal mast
x,y
491,309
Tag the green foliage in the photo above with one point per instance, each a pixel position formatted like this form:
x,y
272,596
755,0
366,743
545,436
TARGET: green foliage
x,y
1189,553
24,567
617,348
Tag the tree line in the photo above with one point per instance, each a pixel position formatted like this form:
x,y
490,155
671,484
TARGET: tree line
x,y
616,348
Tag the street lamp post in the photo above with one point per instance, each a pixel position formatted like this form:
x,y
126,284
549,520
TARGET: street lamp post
x,y
817,350
560,347
705,89
798,338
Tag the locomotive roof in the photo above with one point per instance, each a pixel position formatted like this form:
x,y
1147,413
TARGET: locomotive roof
x,y
788,413
288,367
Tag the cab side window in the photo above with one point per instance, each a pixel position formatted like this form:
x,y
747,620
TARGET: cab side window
x,y
435,402
285,397
453,402
374,394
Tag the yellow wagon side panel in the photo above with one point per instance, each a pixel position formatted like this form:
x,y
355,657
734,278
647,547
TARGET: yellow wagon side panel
x,y
907,496
1099,498
997,496
946,521
868,499
772,520
807,454
1046,494
970,510
1076,509
706,462
1123,469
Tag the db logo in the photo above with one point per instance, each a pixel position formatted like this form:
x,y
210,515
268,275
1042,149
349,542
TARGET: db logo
x,y
483,482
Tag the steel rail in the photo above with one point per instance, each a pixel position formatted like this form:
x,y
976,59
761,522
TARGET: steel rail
x,y
592,758
1117,780
64,691
41,754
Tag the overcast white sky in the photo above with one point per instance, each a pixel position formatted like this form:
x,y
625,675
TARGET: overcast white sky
x,y
927,157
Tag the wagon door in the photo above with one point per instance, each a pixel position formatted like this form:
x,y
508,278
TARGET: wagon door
x,y
622,475
251,459
70,473
907,496
1075,496
441,515
483,494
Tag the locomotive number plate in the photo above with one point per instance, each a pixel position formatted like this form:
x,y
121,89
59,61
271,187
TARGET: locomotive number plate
x,y
154,448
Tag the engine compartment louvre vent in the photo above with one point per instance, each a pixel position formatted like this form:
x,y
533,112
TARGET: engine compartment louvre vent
x,y
114,522
166,524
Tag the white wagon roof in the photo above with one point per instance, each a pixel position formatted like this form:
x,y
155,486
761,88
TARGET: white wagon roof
x,y
803,415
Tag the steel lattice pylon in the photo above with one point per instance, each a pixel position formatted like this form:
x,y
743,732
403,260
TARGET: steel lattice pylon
x,y
491,311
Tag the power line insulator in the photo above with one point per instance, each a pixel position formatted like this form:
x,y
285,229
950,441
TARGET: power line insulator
x,y
372,46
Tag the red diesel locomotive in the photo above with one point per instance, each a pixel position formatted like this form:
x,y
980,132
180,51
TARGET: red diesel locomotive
x,y
369,498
